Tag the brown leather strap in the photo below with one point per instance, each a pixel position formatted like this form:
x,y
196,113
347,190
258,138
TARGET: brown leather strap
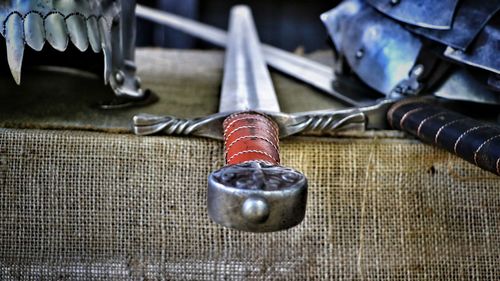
x,y
475,141
250,137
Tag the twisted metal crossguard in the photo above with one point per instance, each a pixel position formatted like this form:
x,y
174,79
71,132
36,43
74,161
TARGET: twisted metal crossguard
x,y
307,123
321,122
253,192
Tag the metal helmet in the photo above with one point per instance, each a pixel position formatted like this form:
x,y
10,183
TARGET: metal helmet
x,y
401,47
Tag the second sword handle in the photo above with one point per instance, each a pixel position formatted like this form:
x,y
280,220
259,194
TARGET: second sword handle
x,y
475,141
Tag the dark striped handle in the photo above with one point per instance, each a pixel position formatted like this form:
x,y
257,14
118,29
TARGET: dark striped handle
x,y
475,141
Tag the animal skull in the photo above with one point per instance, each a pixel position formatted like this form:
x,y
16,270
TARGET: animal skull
x,y
101,25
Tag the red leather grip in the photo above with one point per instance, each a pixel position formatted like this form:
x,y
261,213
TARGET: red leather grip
x,y
250,136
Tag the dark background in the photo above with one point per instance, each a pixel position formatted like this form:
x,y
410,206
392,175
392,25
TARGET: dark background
x,y
287,24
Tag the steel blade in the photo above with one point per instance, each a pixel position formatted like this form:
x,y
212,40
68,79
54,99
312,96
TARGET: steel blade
x,y
247,84
313,73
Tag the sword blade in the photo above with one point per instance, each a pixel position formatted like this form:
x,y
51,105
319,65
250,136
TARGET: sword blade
x,y
313,73
247,84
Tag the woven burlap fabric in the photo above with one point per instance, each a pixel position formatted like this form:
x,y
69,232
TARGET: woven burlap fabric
x,y
79,205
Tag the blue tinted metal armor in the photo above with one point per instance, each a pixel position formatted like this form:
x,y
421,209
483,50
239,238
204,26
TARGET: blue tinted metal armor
x,y
404,46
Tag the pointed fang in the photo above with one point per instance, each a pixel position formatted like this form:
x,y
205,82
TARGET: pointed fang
x,y
105,32
56,32
15,45
77,29
34,34
93,32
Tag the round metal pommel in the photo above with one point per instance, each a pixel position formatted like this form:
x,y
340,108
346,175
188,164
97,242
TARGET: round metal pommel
x,y
255,209
257,197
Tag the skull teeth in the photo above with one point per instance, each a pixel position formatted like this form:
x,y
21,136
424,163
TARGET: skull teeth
x,y
93,32
33,30
34,33
77,29
15,45
56,32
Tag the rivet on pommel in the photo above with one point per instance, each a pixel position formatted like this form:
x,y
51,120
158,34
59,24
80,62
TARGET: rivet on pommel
x,y
395,2
255,209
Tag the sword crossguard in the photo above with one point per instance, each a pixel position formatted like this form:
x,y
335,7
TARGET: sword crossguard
x,y
253,192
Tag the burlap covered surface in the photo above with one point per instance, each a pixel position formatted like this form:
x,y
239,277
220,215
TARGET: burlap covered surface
x,y
82,205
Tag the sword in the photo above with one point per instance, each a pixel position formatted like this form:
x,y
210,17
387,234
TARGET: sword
x,y
475,141
315,74
252,192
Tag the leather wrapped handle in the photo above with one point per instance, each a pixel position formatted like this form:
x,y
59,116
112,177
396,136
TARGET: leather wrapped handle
x,y
250,136
253,192
475,141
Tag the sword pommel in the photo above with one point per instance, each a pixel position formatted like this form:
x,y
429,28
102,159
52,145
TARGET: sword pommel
x,y
257,197
253,192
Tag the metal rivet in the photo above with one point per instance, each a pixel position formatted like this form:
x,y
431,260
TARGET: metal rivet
x,y
360,53
417,70
255,209
119,78
395,2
